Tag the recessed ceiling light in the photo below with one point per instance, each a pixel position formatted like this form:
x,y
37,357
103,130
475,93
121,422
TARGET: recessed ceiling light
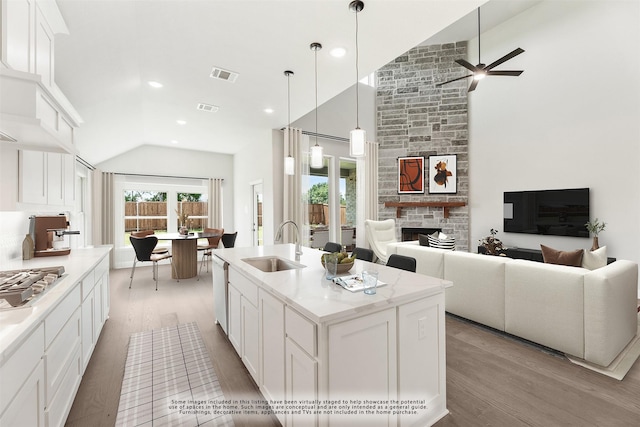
x,y
338,52
155,84
181,122
173,141
268,110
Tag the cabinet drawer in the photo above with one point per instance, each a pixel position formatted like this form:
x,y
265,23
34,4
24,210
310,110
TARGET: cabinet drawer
x,y
19,366
88,283
56,412
247,288
301,330
60,354
60,315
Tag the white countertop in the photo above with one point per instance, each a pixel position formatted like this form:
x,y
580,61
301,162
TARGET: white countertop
x,y
307,290
16,323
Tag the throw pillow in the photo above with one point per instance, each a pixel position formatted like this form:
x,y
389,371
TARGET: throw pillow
x,y
595,259
555,256
423,239
441,241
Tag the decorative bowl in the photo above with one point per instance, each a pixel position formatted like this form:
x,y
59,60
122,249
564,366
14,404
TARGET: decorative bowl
x,y
342,268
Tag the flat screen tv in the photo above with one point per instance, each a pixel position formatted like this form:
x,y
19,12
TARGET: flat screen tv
x,y
549,212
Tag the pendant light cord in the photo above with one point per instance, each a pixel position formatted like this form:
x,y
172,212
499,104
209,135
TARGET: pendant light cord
x,y
479,60
289,112
315,52
357,74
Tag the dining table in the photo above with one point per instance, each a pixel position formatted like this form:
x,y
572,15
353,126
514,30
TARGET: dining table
x,y
184,250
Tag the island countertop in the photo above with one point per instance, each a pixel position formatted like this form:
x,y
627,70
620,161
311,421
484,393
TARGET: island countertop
x,y
319,299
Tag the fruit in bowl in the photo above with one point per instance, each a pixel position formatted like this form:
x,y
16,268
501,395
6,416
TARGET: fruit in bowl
x,y
344,261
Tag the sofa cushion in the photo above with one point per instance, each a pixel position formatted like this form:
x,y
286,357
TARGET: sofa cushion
x,y
441,241
594,259
555,256
423,239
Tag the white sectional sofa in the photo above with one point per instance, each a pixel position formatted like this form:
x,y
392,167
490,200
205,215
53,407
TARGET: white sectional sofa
x,y
588,314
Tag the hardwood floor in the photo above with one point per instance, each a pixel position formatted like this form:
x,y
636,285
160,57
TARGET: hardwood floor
x,y
492,380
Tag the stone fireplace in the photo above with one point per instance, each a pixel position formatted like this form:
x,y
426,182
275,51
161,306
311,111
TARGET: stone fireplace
x,y
408,234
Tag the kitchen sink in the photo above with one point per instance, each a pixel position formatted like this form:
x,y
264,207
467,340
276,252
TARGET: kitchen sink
x,y
270,264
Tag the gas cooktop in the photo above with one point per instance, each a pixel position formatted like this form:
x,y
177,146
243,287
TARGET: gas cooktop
x,y
18,287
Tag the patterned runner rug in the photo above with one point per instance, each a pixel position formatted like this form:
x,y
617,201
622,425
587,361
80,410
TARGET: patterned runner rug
x,y
169,381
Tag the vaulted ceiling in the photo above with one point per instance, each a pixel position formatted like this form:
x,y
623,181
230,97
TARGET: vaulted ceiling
x,y
115,47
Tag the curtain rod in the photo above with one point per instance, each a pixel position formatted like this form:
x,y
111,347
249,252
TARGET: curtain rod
x,y
320,135
83,162
164,176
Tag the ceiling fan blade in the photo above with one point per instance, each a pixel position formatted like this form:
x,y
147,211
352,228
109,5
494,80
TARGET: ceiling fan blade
x,y
505,58
473,85
504,73
468,65
455,80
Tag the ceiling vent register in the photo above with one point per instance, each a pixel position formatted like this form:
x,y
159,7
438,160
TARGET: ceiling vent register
x,y
208,108
221,74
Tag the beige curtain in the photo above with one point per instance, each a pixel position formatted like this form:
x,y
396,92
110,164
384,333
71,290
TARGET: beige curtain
x,y
103,213
294,206
367,190
215,203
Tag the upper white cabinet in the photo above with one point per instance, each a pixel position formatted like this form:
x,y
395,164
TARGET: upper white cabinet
x,y
33,110
46,178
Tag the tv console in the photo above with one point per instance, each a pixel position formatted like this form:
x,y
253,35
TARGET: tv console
x,y
528,254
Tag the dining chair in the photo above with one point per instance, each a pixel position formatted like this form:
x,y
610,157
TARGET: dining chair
x,y
212,243
145,233
332,247
143,246
229,239
363,254
402,262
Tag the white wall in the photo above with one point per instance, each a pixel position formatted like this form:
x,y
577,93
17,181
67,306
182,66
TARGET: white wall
x,y
570,120
255,165
155,160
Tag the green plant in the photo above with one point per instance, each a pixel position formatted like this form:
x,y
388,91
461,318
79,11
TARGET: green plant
x,y
595,226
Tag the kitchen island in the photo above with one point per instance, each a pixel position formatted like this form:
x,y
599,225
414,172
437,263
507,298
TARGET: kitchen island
x,y
46,344
322,355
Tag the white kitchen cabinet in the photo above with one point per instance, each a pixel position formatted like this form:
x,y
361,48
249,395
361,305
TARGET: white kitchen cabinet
x,y
250,338
272,348
47,178
235,327
244,321
301,382
27,408
33,176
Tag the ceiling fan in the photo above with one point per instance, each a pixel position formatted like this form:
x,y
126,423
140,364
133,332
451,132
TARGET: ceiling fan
x,y
481,70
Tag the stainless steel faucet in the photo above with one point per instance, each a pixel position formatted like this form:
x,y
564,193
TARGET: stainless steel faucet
x,y
298,237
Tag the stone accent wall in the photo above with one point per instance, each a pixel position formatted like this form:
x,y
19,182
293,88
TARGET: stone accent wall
x,y
416,118
350,197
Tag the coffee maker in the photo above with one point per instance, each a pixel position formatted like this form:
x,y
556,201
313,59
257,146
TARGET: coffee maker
x,y
48,234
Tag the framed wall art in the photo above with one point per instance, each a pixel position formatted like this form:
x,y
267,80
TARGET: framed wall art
x,y
410,175
443,176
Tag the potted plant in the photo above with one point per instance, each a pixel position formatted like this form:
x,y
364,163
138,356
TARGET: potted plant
x,y
595,227
492,244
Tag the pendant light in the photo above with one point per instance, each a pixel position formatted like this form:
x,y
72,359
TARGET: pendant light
x,y
357,136
317,158
289,162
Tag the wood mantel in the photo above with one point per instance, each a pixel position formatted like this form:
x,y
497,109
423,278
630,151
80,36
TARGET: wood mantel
x,y
444,205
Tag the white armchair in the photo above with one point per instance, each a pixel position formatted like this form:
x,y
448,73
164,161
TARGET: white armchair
x,y
379,234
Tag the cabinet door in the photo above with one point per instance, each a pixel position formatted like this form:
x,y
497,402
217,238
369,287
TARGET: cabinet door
x,y
362,363
55,177
106,297
250,338
301,382
33,174
97,313
88,316
69,179
27,407
235,330
272,346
